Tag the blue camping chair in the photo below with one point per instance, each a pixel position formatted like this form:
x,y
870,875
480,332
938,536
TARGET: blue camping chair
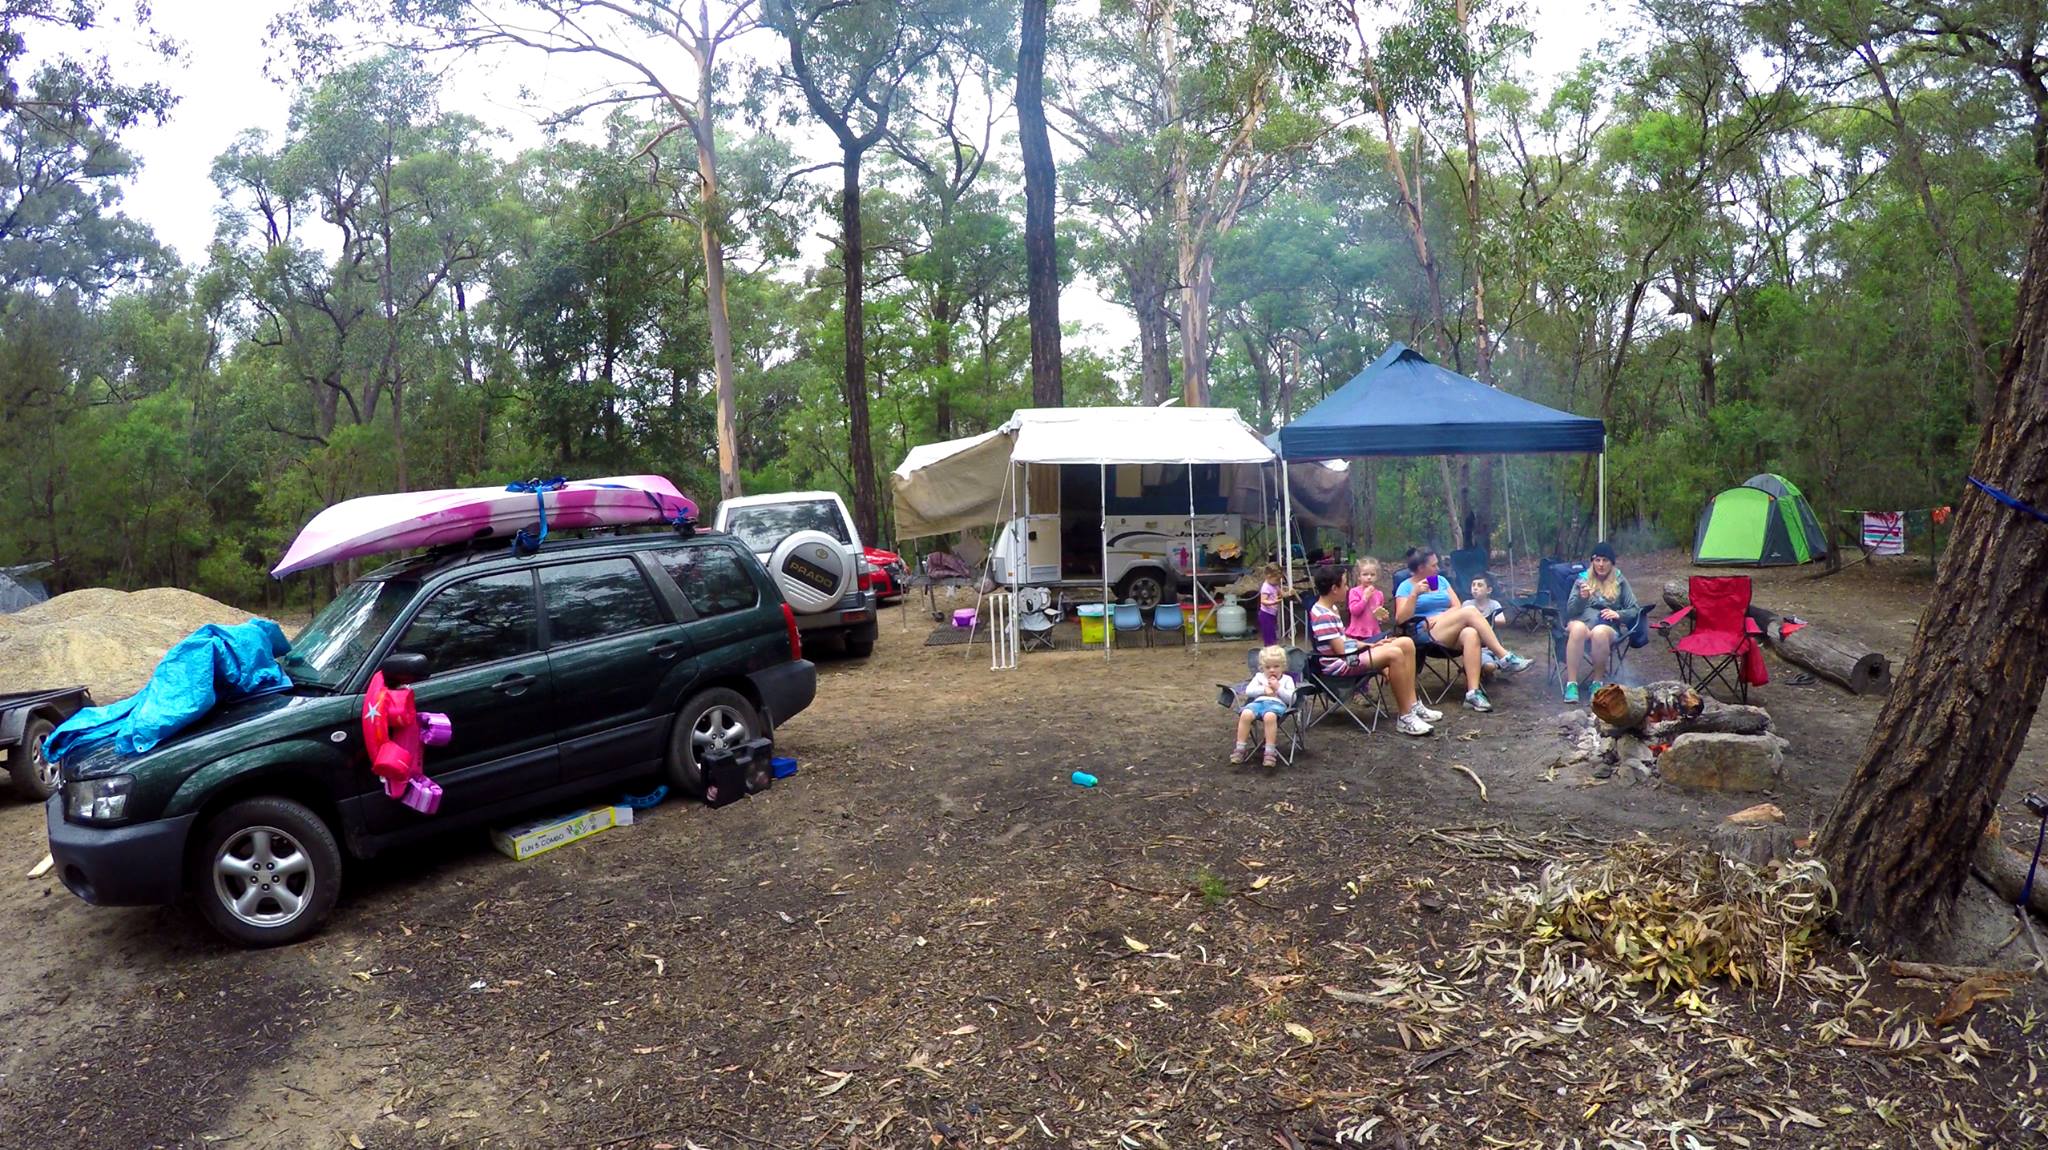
x,y
1168,617
1127,616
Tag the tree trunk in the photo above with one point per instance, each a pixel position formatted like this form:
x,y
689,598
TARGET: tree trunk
x,y
1899,842
710,217
1041,256
942,358
860,456
1937,220
1155,371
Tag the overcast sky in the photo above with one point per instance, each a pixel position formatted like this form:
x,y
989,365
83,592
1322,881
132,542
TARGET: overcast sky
x,y
222,90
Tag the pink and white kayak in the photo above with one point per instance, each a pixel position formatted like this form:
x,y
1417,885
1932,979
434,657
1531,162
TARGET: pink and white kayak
x,y
379,524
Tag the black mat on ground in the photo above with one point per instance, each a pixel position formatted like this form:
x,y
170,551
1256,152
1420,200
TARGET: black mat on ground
x,y
947,636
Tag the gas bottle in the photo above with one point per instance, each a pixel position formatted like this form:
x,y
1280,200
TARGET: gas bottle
x,y
1230,618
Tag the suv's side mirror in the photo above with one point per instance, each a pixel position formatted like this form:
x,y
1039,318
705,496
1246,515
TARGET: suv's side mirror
x,y
403,668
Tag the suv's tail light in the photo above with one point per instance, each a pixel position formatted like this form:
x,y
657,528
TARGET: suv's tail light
x,y
796,639
867,574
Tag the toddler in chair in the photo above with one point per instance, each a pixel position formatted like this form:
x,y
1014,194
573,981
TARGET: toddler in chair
x,y
1267,697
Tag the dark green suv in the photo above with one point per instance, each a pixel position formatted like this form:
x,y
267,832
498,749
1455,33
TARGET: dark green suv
x,y
587,666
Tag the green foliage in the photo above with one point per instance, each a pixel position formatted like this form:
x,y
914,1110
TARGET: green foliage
x,y
1711,243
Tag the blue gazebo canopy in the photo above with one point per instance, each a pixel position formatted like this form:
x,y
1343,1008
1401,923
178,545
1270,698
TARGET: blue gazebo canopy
x,y
1405,405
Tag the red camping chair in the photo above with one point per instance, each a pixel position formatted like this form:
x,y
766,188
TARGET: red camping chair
x,y
1721,644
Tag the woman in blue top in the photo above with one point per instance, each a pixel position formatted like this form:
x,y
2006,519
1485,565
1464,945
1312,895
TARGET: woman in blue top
x,y
1430,610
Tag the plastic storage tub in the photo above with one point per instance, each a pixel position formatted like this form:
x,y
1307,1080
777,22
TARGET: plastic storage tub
x,y
1090,615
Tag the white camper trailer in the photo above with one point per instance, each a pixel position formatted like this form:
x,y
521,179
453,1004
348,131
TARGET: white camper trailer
x,y
1141,548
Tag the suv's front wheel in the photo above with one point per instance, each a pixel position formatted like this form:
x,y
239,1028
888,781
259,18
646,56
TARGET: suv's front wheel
x,y
267,872
720,718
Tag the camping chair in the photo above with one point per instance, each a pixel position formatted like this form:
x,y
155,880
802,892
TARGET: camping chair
x,y
1128,617
1327,694
1534,611
1036,617
1466,566
1439,670
1636,633
1721,644
1167,616
1292,722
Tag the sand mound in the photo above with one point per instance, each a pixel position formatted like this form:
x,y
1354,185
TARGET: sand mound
x,y
108,640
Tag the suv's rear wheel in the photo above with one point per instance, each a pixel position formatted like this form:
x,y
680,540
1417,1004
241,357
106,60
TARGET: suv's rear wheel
x,y
720,718
35,776
268,872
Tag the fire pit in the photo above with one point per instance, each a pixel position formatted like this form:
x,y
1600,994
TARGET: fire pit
x,y
1668,730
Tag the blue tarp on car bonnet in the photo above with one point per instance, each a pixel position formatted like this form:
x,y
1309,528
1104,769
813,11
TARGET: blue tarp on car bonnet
x,y
1405,405
207,666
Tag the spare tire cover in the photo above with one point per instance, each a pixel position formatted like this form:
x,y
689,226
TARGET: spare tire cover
x,y
813,570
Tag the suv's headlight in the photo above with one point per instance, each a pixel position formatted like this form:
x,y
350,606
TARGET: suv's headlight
x,y
102,800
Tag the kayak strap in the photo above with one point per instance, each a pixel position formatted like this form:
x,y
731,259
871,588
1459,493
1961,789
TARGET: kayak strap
x,y
525,542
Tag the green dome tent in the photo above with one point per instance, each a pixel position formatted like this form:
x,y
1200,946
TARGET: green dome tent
x,y
1765,522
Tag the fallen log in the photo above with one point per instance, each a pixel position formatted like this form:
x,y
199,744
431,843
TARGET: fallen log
x,y
1861,672
2004,870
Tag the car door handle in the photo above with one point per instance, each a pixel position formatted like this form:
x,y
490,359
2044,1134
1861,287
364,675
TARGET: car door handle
x,y
666,649
514,685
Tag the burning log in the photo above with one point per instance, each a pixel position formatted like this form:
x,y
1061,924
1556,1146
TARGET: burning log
x,y
1715,720
1629,708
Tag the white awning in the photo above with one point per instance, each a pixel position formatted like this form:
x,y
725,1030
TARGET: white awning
x,y
958,484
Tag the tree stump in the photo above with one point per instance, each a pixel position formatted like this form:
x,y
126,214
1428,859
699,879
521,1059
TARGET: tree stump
x,y
1753,844
1862,672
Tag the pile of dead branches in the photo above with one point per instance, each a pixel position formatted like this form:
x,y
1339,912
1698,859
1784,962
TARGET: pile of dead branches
x,y
1644,915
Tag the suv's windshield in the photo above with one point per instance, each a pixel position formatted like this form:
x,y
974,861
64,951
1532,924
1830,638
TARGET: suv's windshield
x,y
340,637
763,526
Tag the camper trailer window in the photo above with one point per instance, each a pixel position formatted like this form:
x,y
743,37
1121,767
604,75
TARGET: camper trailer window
x,y
762,527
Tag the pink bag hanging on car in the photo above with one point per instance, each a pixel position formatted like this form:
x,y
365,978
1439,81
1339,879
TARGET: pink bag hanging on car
x,y
395,734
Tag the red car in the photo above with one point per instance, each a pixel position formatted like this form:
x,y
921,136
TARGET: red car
x,y
889,573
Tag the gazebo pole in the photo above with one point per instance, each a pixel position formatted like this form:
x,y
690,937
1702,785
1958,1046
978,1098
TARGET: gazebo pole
x,y
1107,629
1603,485
1287,546
1194,564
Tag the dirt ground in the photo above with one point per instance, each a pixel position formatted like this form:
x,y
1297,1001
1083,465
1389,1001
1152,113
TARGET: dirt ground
x,y
931,938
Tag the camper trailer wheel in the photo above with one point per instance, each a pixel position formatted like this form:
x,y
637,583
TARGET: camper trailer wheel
x,y
1146,587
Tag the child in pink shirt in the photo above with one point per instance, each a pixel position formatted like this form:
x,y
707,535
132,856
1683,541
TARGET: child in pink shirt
x,y
1366,602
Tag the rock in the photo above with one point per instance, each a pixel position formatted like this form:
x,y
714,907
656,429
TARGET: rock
x,y
1753,844
1759,814
1724,762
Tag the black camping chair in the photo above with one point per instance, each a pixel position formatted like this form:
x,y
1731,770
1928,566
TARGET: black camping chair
x,y
1635,631
1293,721
1466,566
1534,611
1336,693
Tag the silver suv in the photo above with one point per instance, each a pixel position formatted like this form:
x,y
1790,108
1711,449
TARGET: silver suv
x,y
808,542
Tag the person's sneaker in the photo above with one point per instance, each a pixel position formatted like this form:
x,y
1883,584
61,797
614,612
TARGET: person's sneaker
x,y
1272,755
1595,688
1478,701
1413,724
1425,712
1240,752
1514,663
1571,692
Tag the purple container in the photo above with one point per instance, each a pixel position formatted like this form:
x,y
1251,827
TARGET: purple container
x,y
435,729
423,795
